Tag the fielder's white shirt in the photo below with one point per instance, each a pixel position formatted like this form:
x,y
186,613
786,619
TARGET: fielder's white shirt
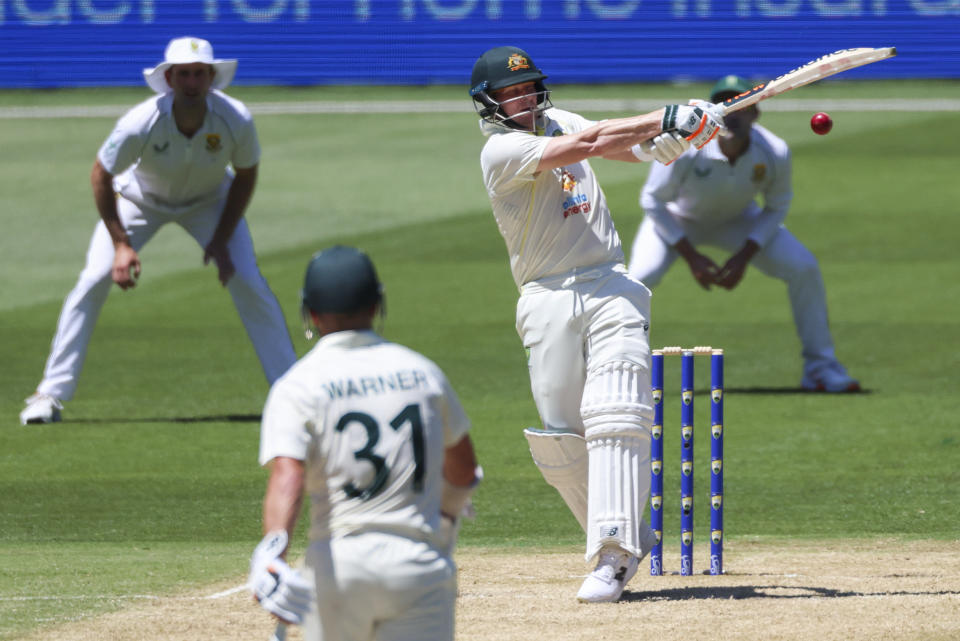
x,y
552,221
372,420
702,186
157,167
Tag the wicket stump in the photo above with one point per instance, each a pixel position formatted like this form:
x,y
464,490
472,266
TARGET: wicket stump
x,y
686,458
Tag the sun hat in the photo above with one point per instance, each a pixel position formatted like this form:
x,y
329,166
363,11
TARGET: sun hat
x,y
185,51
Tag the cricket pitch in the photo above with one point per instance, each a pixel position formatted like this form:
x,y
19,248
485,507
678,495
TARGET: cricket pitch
x,y
842,589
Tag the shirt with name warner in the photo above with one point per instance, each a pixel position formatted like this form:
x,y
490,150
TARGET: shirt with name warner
x,y
372,420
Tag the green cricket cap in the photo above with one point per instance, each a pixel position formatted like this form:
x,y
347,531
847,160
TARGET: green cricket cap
x,y
340,280
733,85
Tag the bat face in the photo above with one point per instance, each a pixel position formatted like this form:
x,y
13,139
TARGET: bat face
x,y
822,67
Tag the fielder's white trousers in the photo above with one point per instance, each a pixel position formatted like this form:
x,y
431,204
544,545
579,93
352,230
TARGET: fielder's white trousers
x,y
376,586
257,306
784,258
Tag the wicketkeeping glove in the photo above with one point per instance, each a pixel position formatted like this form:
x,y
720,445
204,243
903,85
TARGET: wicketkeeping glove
x,y
279,588
696,124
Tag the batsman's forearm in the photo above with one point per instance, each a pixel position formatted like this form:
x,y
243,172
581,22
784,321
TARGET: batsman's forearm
x,y
284,497
606,138
620,134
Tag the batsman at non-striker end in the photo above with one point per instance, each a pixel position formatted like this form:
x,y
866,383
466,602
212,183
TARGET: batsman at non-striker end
x,y
374,434
583,320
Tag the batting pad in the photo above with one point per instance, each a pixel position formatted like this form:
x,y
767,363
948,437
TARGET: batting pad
x,y
617,414
562,459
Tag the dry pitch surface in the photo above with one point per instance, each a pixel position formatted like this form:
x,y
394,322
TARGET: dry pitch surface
x,y
882,589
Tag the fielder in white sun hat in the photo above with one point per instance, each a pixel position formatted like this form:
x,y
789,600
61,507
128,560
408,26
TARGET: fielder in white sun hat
x,y
185,51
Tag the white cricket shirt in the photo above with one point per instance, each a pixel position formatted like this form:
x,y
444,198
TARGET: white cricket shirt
x,y
372,420
156,166
702,185
552,221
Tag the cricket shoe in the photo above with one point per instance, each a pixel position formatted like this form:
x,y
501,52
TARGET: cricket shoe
x,y
831,379
614,570
41,408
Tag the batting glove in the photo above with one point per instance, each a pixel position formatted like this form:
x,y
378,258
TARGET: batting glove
x,y
455,505
715,110
692,122
279,588
667,147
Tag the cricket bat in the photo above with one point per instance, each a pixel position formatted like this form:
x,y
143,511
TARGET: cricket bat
x,y
822,67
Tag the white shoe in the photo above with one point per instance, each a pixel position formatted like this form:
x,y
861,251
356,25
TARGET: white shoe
x,y
41,408
614,570
832,379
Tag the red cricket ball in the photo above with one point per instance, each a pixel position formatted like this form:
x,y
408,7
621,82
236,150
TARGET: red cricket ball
x,y
821,123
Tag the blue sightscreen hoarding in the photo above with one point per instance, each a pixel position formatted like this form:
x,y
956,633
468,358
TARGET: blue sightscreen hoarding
x,y
51,43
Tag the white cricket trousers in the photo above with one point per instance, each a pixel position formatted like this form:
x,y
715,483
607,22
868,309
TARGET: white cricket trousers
x,y
257,306
574,324
376,586
586,332
784,258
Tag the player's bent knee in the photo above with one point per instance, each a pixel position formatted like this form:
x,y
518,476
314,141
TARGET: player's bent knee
x,y
562,460
617,393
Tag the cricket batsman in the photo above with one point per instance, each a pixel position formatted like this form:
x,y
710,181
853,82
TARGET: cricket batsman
x,y
583,321
375,435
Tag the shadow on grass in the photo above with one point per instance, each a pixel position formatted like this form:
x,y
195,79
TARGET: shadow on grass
x,y
780,390
764,592
216,418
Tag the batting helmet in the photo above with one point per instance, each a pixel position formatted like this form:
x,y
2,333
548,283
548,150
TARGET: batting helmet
x,y
340,280
502,67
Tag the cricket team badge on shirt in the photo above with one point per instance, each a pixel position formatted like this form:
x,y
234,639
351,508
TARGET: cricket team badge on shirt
x,y
213,143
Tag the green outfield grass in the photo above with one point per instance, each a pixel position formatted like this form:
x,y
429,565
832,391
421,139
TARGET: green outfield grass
x,y
151,484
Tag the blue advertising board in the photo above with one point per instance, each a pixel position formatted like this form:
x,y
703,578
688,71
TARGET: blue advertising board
x,y
70,43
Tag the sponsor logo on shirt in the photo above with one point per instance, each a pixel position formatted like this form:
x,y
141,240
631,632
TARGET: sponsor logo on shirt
x,y
576,204
161,148
759,172
702,172
213,142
